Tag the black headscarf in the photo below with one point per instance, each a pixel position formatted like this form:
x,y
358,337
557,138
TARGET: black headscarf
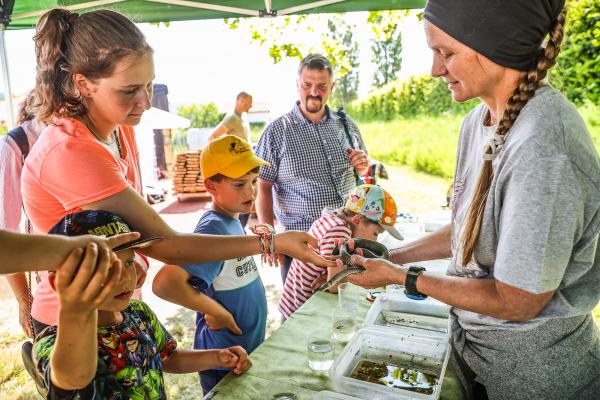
x,y
508,32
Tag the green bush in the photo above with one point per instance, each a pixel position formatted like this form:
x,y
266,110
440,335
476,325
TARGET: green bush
x,y
578,71
414,96
201,115
428,143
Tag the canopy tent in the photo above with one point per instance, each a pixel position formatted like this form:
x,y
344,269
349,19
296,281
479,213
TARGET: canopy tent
x,y
24,13
21,14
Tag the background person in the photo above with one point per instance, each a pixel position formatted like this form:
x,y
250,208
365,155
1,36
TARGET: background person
x,y
525,266
14,148
234,123
314,163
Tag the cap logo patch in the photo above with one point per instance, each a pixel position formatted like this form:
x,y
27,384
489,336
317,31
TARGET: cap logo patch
x,y
237,147
110,229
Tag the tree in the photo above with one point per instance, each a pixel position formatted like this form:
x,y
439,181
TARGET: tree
x,y
578,71
386,45
201,115
286,37
278,33
341,48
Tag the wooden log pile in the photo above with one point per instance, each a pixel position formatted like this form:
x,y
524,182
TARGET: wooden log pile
x,y
188,178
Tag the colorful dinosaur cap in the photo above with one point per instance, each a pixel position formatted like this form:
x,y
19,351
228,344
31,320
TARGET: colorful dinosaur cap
x,y
375,204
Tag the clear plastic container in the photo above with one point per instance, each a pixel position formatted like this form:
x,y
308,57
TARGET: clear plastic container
x,y
396,311
400,348
327,395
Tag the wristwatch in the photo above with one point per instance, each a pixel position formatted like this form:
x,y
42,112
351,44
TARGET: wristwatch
x,y
410,285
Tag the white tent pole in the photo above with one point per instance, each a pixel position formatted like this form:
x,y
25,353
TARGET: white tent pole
x,y
206,6
10,118
268,7
308,6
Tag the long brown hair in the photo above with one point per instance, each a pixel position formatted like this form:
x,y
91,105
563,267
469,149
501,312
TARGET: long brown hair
x,y
24,113
530,82
89,44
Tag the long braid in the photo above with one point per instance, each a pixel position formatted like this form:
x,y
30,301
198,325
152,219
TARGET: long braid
x,y
530,82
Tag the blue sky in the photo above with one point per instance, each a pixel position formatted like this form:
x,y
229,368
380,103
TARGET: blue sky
x,y
204,61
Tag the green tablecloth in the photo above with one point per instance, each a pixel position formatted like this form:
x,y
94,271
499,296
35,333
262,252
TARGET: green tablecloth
x,y
283,356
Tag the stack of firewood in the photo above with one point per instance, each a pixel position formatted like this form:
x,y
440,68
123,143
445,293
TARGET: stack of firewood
x,y
188,178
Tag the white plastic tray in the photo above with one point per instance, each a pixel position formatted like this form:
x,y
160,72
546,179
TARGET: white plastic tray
x,y
327,395
377,344
423,317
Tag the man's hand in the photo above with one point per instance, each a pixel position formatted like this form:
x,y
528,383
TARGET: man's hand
x,y
223,320
359,160
234,357
378,272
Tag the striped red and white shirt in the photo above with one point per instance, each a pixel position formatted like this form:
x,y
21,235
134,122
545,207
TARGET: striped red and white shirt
x,y
297,288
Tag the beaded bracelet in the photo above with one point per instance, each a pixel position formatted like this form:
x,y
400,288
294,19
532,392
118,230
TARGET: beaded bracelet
x,y
266,234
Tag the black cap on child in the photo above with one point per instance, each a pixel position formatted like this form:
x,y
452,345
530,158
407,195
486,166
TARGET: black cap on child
x,y
99,223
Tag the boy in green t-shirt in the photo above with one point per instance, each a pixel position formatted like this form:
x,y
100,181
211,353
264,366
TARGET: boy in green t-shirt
x,y
106,346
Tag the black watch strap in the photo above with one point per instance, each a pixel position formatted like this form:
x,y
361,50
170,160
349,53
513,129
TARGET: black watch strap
x,y
410,285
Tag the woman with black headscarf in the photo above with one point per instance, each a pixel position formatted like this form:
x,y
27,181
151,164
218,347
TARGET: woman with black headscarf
x,y
525,269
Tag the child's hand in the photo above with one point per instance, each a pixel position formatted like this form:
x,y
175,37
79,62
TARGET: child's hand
x,y
236,358
319,281
302,246
86,279
223,320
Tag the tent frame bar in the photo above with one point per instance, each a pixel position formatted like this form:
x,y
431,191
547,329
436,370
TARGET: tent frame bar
x,y
308,6
206,6
74,7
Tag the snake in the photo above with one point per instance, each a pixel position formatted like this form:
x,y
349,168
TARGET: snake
x,y
370,249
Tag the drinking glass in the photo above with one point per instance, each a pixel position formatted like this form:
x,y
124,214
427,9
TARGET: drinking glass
x,y
320,348
283,389
348,297
343,325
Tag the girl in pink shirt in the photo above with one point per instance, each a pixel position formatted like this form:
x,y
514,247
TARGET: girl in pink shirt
x,y
94,82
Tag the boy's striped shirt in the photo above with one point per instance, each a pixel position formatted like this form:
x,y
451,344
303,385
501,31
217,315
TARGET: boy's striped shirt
x,y
297,288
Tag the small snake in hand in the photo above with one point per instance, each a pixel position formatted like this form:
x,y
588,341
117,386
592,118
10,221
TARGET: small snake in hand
x,y
370,249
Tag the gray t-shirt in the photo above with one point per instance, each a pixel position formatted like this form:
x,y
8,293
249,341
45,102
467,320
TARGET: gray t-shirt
x,y
542,217
237,126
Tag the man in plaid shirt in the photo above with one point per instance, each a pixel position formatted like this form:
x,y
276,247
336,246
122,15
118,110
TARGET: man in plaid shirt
x,y
314,162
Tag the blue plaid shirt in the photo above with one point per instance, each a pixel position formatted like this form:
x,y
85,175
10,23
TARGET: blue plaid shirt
x,y
310,168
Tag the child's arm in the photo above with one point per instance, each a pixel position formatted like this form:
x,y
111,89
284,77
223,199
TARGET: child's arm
x,y
82,285
20,252
185,361
171,284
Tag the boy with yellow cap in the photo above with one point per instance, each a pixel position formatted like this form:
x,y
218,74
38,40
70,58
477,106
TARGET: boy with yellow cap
x,y
368,211
228,296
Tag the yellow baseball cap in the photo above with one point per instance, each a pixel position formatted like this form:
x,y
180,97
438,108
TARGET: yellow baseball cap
x,y
229,156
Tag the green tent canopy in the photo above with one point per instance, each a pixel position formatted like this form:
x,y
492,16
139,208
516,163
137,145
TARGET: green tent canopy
x,y
25,13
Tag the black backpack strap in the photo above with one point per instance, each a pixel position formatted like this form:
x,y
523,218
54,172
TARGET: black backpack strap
x,y
344,119
20,137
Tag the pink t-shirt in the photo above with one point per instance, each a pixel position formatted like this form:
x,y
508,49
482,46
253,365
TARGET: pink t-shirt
x,y
66,169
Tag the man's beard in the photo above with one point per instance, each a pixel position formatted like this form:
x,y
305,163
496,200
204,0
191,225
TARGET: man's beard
x,y
313,109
